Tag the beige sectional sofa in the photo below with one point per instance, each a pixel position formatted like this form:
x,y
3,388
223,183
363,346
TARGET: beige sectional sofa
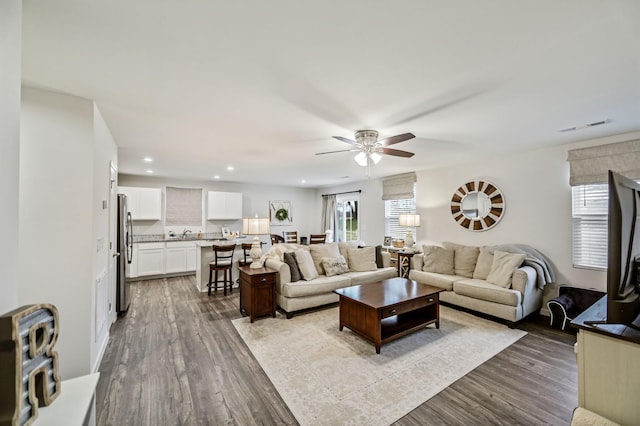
x,y
504,284
363,267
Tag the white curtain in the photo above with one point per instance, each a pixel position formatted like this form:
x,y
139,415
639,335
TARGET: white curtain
x,y
329,214
590,165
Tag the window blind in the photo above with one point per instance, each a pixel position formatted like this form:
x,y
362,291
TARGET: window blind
x,y
393,209
399,187
590,165
590,225
184,207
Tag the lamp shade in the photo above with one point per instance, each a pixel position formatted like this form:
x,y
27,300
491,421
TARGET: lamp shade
x,y
409,220
255,226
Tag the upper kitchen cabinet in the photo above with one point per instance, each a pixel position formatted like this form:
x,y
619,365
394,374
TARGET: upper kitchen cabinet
x,y
224,205
143,203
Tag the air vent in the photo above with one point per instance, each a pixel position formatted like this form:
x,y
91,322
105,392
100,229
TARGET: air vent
x,y
584,126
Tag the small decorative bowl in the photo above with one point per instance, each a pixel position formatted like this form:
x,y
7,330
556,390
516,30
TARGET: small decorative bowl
x,y
397,243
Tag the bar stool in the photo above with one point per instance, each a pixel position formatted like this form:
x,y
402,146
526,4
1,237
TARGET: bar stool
x,y
222,261
317,238
276,239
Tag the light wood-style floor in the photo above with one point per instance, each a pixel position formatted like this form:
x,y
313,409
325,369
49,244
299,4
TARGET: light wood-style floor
x,y
176,359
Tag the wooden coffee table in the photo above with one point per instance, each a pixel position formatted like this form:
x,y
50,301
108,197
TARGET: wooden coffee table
x,y
384,311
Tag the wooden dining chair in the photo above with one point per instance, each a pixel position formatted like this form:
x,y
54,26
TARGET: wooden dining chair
x,y
290,237
222,262
317,238
275,239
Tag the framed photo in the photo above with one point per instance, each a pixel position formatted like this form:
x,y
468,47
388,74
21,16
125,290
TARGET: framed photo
x,y
280,213
387,241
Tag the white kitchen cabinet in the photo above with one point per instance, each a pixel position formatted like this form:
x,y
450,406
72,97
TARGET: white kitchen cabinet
x,y
151,259
224,205
191,259
143,203
180,256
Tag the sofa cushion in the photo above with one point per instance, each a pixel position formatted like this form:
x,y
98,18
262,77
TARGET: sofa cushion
x,y
305,263
320,285
367,277
290,260
318,251
432,278
362,259
464,259
483,264
344,246
483,290
438,259
334,266
503,266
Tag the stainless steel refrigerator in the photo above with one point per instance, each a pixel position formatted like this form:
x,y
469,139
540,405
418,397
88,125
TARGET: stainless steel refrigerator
x,y
124,254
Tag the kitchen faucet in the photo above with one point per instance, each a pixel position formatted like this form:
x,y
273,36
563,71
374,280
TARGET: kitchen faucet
x,y
185,232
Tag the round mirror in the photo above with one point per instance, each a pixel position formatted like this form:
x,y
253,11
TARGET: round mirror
x,y
477,205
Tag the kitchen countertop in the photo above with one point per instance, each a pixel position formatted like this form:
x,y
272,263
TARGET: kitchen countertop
x,y
206,240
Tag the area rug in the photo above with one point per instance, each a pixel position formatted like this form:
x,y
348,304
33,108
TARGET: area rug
x,y
332,377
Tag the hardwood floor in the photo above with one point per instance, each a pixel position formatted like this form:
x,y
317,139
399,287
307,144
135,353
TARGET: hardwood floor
x,y
176,359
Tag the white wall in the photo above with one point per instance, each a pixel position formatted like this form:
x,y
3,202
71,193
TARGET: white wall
x,y
56,217
10,58
102,296
255,199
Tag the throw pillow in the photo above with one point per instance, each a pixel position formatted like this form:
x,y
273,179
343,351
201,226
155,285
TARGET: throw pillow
x,y
503,266
464,258
362,259
438,259
305,263
290,260
318,251
483,264
379,262
334,265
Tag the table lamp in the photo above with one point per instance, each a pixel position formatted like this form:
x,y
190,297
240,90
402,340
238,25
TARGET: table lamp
x,y
255,226
409,220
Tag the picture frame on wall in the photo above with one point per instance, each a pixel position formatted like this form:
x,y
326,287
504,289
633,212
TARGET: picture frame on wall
x,y
280,213
387,241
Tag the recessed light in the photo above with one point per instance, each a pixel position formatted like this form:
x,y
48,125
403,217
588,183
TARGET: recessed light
x,y
304,181
230,168
148,159
216,177
149,171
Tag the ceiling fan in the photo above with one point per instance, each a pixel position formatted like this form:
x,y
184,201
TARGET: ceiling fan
x,y
370,149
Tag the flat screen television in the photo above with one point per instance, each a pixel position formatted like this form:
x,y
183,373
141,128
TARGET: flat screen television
x,y
623,285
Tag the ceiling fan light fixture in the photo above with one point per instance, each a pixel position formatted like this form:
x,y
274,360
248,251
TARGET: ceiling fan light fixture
x,y
361,159
375,157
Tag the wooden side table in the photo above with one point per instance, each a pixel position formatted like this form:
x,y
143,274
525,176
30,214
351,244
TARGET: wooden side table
x,y
404,263
257,292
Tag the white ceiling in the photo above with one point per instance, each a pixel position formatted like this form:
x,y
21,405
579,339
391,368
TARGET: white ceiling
x,y
200,85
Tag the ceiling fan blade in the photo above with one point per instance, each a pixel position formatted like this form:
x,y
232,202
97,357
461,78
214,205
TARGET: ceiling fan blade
x,y
396,139
349,141
397,152
333,152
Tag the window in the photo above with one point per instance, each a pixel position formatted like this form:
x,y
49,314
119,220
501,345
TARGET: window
x,y
347,218
589,216
393,209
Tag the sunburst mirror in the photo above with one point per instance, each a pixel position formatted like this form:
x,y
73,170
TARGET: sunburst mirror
x,y
477,205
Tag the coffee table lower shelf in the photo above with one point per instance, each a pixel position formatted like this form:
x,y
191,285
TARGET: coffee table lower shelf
x,y
368,322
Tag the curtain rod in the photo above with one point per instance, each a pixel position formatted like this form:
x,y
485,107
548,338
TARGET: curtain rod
x,y
346,192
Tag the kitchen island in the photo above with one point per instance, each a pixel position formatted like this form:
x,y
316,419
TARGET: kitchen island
x,y
204,255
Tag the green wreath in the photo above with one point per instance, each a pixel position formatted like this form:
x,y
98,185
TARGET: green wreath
x,y
282,214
